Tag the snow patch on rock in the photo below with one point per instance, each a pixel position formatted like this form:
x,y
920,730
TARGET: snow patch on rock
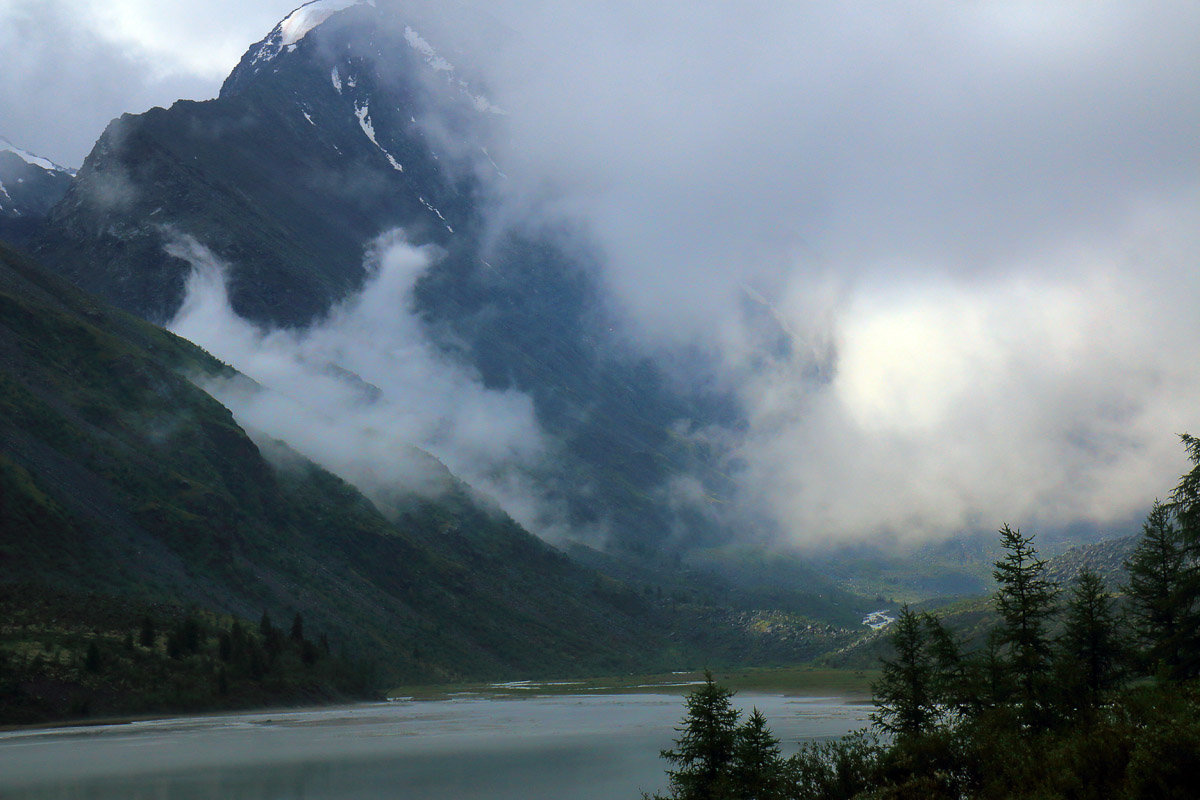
x,y
439,64
299,23
363,113
431,207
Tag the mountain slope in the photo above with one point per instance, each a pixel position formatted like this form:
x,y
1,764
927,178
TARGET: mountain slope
x,y
119,477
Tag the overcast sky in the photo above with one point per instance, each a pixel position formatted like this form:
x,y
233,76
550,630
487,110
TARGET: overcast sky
x,y
982,218
70,66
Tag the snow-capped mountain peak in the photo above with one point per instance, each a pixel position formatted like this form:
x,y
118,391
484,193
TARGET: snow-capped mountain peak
x,y
29,186
34,160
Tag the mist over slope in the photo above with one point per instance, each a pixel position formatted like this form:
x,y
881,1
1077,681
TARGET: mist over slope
x,y
118,476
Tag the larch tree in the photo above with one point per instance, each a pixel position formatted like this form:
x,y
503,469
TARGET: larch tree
x,y
1025,601
1158,592
1090,644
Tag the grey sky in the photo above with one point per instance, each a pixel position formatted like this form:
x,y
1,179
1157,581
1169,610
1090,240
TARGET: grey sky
x,y
983,215
70,66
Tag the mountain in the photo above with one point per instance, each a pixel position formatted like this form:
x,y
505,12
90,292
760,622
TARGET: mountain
x,y
308,154
29,187
350,120
1106,559
126,490
119,477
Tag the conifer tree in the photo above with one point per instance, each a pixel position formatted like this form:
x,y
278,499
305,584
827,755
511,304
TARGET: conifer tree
x,y
266,628
1185,506
147,635
92,661
1185,499
905,694
951,682
1162,604
703,753
1025,601
990,682
1090,644
757,768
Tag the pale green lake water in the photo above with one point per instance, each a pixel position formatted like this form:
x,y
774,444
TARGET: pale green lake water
x,y
594,747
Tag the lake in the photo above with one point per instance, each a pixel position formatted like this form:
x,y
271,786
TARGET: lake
x,y
577,746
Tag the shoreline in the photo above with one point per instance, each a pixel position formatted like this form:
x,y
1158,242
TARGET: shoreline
x,y
852,685
799,681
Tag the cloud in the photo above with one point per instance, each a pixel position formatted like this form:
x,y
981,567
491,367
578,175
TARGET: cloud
x,y
63,81
944,255
360,390
730,145
203,39
1045,394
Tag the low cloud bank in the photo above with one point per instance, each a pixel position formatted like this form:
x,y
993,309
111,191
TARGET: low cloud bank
x,y
1049,394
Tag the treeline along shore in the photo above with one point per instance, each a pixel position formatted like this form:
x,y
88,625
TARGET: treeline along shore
x,y
1074,692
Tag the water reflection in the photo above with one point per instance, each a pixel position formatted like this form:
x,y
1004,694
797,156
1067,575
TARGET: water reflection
x,y
580,747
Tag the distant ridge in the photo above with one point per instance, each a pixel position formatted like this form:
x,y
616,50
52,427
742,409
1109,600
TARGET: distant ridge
x,y
29,187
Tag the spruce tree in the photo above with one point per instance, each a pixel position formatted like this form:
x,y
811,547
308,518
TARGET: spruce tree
x,y
1185,499
266,628
952,690
987,679
1185,506
757,768
147,634
1025,601
92,660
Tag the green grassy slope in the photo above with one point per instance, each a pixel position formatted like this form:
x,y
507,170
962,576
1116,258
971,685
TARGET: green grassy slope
x,y
119,477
